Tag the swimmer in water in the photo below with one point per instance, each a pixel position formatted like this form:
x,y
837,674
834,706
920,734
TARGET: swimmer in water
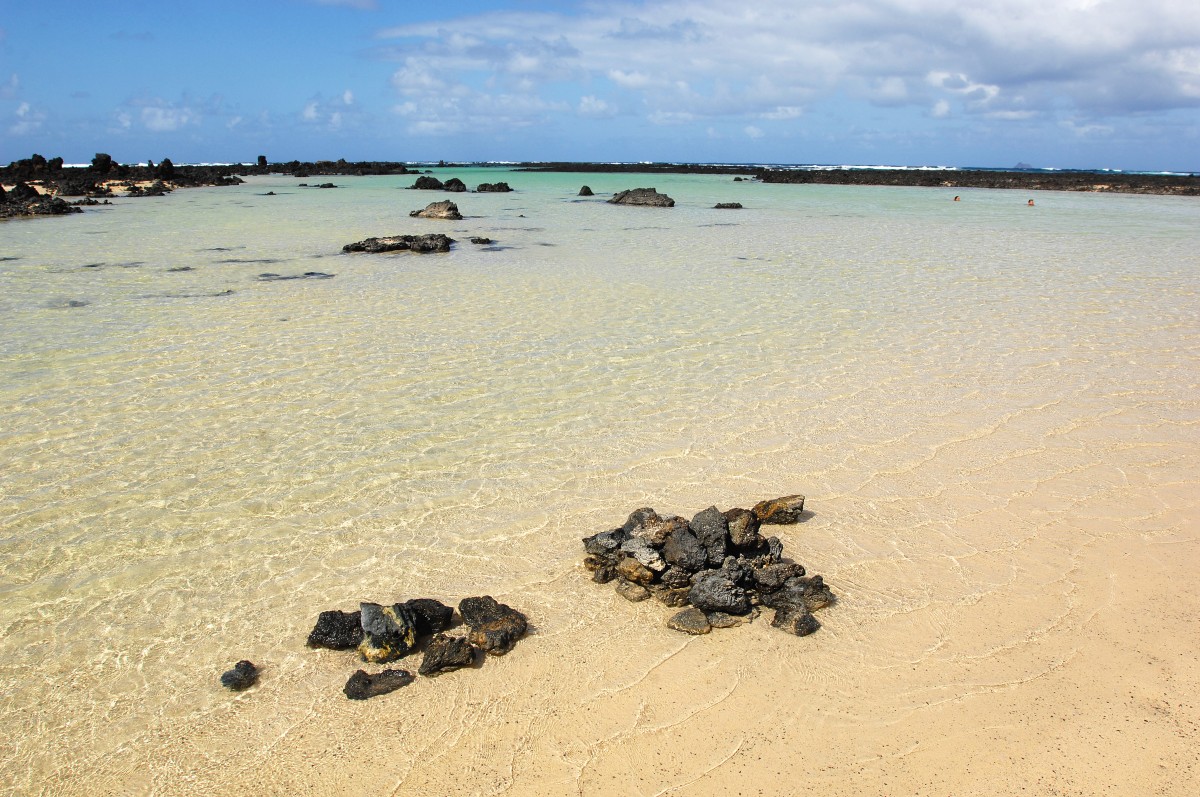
x,y
955,199
1030,203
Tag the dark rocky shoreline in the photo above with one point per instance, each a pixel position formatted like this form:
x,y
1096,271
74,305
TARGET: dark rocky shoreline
x,y
1100,182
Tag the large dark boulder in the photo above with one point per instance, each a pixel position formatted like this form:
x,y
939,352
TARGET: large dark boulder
x,y
362,685
455,185
499,188
427,183
389,632
431,242
446,653
495,627
337,630
648,197
586,191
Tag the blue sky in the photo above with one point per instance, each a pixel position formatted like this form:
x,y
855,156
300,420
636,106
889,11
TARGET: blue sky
x,y
1062,83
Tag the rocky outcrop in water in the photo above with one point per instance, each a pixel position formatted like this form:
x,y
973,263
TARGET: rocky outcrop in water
x,y
648,197
25,200
718,565
586,191
427,183
431,242
438,210
727,206
496,188
382,634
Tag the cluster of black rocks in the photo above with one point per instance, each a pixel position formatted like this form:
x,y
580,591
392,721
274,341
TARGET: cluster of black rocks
x,y
383,634
718,565
430,242
456,186
25,200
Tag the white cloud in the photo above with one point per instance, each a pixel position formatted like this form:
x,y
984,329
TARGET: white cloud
x,y
158,119
348,97
595,108
309,114
1005,59
941,109
29,120
9,89
752,132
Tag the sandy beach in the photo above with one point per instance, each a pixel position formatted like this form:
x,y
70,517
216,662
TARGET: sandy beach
x,y
993,416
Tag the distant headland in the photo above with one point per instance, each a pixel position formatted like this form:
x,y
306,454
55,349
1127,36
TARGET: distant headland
x,y
37,185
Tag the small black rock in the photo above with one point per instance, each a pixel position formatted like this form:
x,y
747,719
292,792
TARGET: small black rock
x,y
243,676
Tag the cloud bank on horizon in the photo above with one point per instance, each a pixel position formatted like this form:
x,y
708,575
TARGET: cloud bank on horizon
x,y
1068,83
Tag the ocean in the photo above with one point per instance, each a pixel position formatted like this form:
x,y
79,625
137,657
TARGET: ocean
x,y
991,408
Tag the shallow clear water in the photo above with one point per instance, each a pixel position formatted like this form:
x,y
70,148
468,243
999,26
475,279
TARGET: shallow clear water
x,y
197,462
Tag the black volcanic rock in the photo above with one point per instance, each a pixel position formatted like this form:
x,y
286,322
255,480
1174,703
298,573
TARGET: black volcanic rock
x,y
243,676
498,188
363,685
336,630
495,627
446,653
648,197
427,183
430,242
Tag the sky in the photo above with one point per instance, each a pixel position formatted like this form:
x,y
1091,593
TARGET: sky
x,y
1049,83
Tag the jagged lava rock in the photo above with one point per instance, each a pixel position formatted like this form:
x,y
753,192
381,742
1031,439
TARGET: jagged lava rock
x,y
362,685
243,676
711,529
631,569
389,632
606,542
438,210
336,630
648,197
585,191
498,188
780,511
683,550
430,242
800,592
716,591
495,627
645,553
431,615
743,529
455,185
446,653
727,206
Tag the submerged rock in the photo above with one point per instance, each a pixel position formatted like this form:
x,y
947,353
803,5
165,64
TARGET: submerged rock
x,y
690,621
363,685
585,191
430,242
727,206
336,630
493,187
648,197
243,676
495,627
785,510
798,621
716,591
632,591
446,653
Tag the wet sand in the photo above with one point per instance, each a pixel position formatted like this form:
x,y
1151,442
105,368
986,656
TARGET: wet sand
x,y
994,418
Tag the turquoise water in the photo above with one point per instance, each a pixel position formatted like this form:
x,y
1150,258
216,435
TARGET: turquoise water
x,y
197,462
